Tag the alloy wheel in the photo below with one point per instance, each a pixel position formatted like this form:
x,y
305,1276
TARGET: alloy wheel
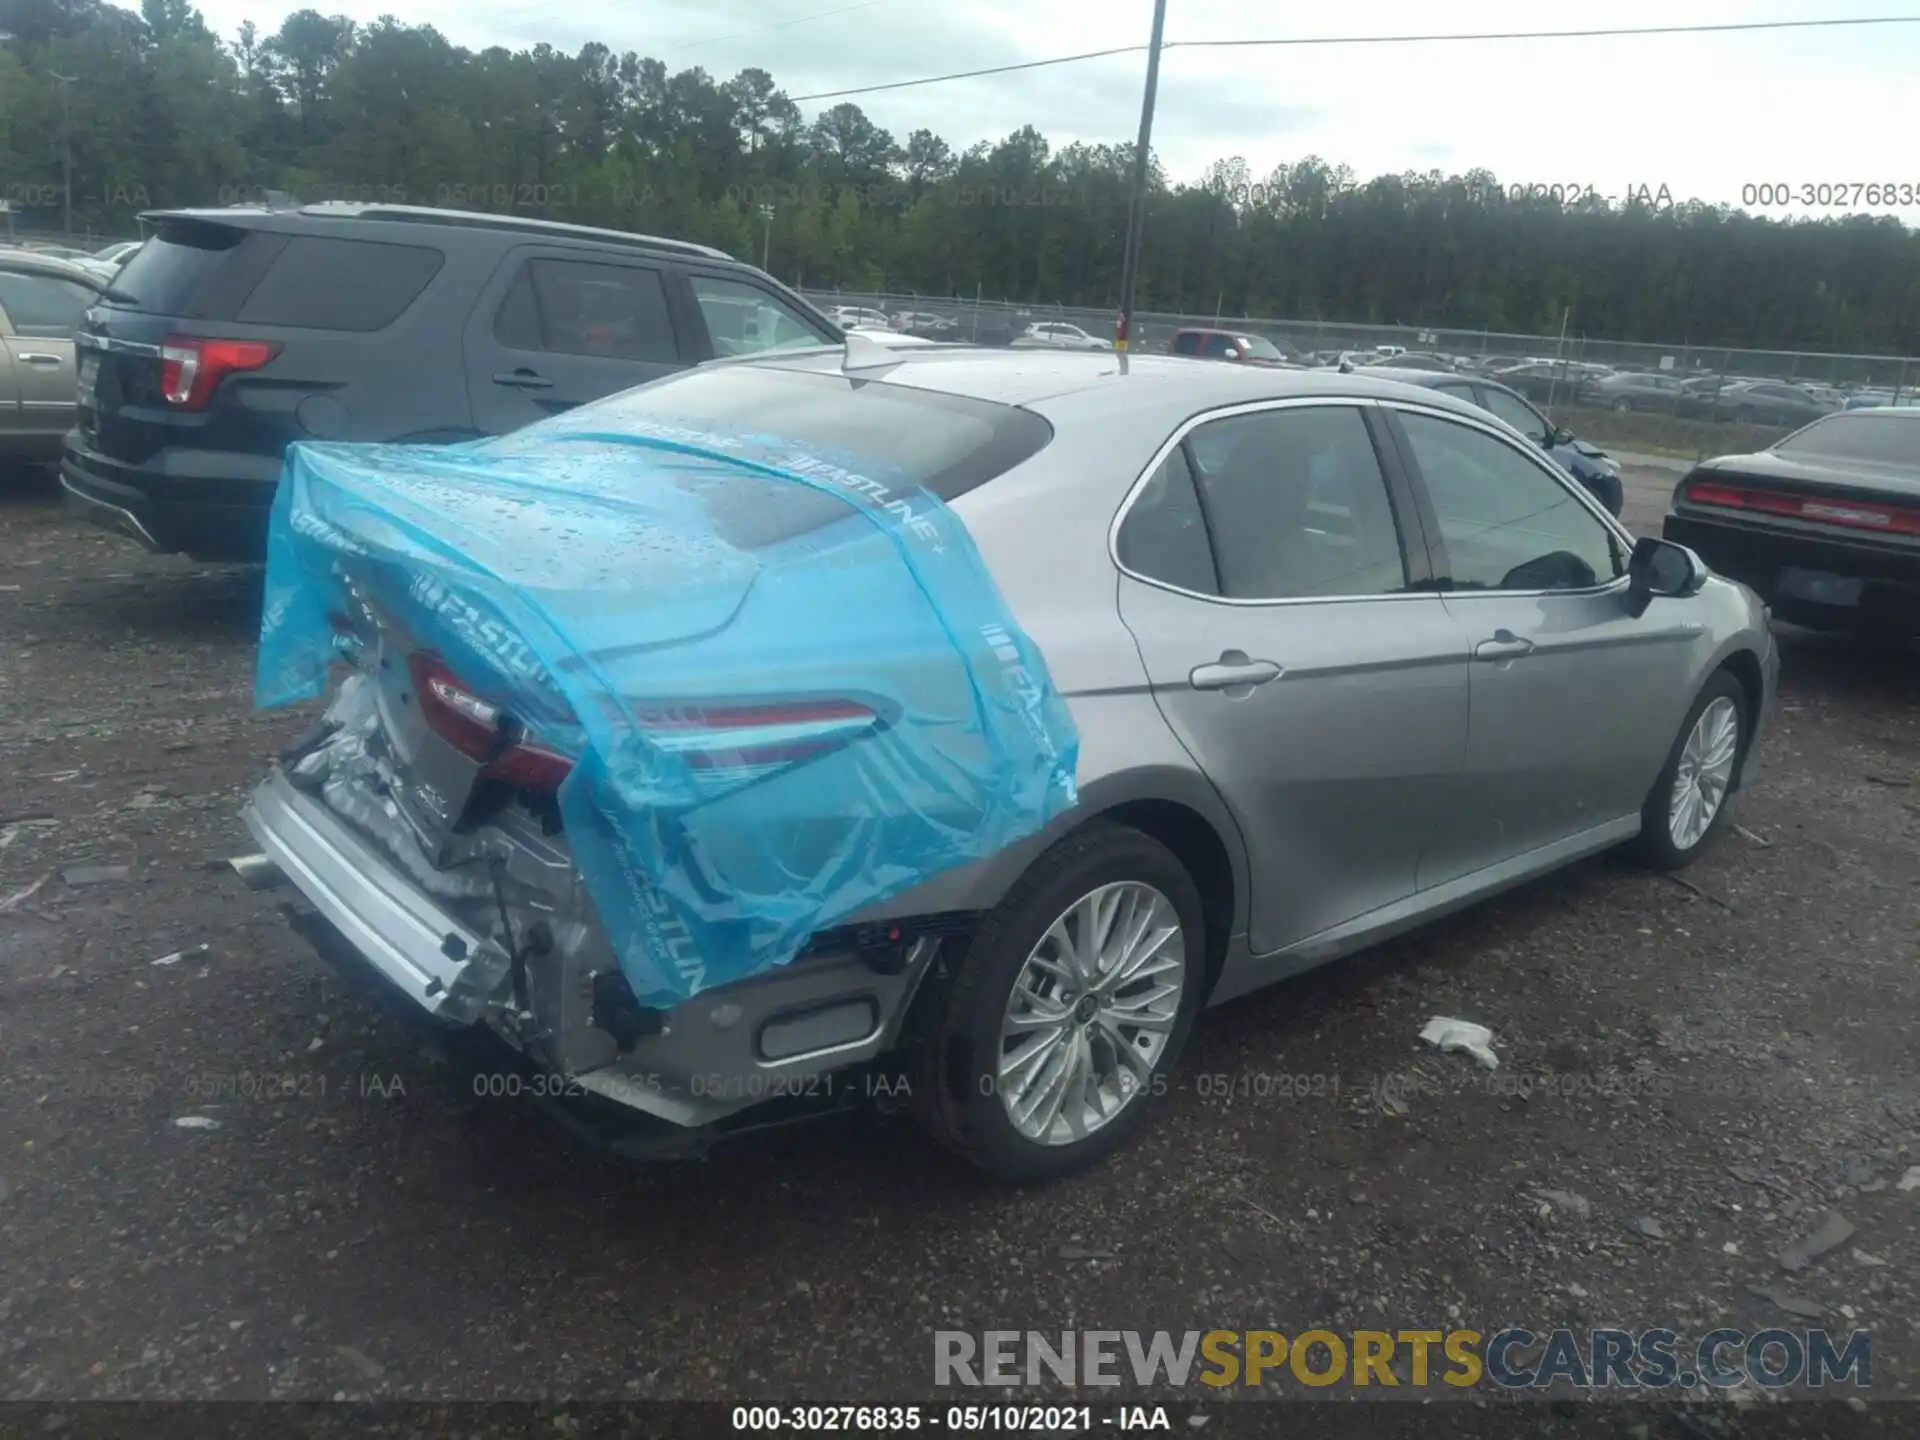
x,y
1705,770
1090,1013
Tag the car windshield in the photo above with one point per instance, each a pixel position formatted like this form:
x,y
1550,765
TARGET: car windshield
x,y
1260,349
1864,435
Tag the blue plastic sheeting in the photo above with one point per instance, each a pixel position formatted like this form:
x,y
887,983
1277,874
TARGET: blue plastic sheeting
x,y
787,679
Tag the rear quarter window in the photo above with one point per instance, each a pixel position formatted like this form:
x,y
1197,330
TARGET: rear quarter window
x,y
323,283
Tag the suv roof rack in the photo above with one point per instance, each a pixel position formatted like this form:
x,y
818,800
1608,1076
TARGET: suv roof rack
x,y
472,219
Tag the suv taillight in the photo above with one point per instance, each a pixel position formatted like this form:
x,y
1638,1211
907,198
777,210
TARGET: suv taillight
x,y
191,369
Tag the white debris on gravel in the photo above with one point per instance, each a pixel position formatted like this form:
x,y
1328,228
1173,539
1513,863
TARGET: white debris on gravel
x,y
197,1122
1449,1035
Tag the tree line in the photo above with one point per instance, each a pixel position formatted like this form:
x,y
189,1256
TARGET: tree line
x,y
156,111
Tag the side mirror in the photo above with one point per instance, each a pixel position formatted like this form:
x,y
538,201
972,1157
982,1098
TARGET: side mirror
x,y
1559,435
1661,568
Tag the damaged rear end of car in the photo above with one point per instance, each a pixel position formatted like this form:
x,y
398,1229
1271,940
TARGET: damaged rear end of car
x,y
633,713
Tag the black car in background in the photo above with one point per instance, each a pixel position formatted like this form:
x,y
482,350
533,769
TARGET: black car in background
x,y
1824,525
234,332
1654,391
1542,380
1585,463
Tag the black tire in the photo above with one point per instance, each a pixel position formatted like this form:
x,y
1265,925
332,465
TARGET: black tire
x,y
956,1087
1654,846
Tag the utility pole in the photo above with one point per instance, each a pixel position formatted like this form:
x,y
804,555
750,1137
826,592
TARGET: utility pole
x,y
1137,204
766,239
66,143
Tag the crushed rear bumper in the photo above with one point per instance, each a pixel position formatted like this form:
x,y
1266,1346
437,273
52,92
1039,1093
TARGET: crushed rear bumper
x,y
789,1037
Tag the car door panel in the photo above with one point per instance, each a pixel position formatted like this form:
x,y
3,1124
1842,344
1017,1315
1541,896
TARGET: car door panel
x,y
44,381
555,328
1574,701
1332,725
9,391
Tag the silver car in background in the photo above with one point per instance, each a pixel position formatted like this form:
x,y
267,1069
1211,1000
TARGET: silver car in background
x,y
1344,655
42,301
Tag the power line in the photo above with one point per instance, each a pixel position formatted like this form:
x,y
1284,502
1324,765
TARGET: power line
x,y
1637,30
973,74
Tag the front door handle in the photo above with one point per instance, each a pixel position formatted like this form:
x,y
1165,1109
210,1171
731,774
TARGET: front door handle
x,y
1505,645
36,357
1233,671
523,379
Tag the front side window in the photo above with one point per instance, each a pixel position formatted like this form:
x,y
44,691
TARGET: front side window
x,y
1218,347
1506,521
746,320
1297,504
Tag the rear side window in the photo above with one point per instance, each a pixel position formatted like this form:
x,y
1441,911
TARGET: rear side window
x,y
321,283
1186,343
1298,504
48,306
1164,536
575,307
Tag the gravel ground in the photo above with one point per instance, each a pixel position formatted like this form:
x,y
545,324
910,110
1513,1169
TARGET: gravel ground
x,y
1716,1065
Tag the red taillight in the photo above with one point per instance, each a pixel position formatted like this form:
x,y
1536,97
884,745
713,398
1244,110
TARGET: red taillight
x,y
452,711
472,727
1855,514
754,736
191,369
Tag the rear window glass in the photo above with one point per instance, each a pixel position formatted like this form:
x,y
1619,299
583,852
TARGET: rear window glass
x,y
168,273
321,283
1877,439
890,436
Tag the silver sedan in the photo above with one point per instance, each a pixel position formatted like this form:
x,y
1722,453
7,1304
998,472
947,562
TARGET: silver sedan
x,y
1344,655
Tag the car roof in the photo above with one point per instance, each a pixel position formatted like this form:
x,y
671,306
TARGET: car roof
x,y
34,262
474,220
1029,378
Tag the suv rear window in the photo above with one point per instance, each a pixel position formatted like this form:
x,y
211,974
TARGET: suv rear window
x,y
323,283
895,434
204,270
167,275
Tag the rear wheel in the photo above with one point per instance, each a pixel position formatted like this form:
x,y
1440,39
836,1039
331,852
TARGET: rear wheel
x,y
1623,405
1689,801
1068,1009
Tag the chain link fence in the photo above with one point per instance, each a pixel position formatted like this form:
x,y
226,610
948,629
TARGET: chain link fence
x,y
1674,399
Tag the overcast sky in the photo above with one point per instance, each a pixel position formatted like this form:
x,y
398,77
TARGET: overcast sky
x,y
1703,115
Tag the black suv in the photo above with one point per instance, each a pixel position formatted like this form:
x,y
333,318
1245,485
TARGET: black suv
x,y
235,332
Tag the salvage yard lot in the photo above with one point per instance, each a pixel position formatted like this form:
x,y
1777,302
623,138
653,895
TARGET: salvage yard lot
x,y
1714,1065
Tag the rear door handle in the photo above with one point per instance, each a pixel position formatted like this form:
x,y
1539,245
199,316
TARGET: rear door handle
x,y
1505,645
35,357
523,380
1233,671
